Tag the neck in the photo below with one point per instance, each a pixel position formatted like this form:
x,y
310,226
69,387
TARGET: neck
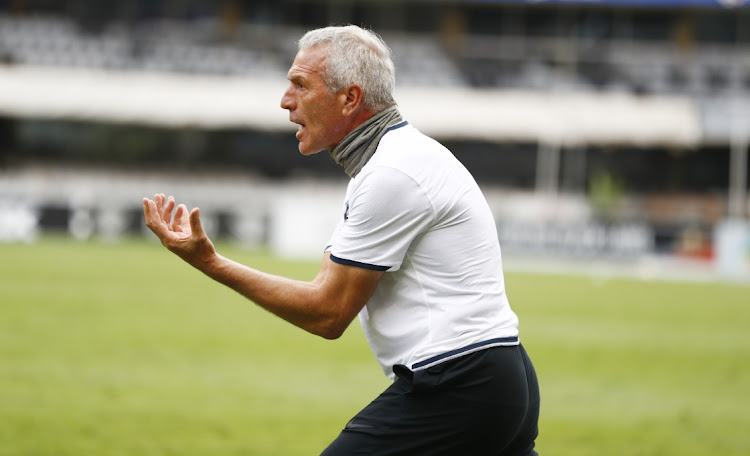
x,y
360,144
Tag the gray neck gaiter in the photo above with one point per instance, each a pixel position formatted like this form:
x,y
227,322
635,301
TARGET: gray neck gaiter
x,y
360,144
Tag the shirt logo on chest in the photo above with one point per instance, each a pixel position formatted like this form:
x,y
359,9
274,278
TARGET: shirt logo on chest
x,y
346,211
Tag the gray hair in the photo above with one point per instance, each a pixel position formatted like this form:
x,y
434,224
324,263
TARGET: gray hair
x,y
356,56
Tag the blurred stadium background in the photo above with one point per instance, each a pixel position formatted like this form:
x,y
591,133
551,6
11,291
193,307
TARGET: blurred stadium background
x,y
610,135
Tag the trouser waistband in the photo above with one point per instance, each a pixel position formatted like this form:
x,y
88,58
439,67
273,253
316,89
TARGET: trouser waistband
x,y
453,354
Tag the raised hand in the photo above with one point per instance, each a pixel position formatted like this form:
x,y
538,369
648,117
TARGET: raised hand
x,y
182,234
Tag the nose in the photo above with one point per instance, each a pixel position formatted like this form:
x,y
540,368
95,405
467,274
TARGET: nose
x,y
287,101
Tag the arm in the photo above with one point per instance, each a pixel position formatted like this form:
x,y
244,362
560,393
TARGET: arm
x,y
325,306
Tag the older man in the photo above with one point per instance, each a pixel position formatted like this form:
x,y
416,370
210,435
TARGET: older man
x,y
415,254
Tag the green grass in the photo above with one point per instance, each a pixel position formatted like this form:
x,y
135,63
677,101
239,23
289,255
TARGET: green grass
x,y
121,349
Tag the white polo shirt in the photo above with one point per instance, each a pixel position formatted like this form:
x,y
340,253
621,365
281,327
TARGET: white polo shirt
x,y
417,213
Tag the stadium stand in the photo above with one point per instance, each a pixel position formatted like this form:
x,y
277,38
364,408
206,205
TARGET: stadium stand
x,y
661,95
524,61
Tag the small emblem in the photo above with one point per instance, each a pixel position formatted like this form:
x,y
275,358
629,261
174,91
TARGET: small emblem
x,y
346,211
352,425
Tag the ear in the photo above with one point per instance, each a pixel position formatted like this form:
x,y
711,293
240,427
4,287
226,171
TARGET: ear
x,y
351,99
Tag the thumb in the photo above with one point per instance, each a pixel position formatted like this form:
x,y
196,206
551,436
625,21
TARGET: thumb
x,y
195,222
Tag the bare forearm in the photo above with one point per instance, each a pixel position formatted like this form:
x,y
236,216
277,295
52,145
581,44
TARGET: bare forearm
x,y
303,304
324,306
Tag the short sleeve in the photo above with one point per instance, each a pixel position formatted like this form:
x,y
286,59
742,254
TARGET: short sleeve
x,y
386,210
333,236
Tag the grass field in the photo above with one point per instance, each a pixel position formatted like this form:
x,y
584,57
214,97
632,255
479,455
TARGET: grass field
x,y
120,349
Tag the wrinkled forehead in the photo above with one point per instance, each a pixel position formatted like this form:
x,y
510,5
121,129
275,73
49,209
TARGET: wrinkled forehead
x,y
308,63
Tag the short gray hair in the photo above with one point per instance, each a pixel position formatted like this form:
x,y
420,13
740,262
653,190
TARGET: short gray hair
x,y
356,56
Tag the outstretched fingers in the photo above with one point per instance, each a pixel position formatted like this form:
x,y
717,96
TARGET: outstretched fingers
x,y
149,211
159,200
184,235
181,222
152,215
195,222
166,212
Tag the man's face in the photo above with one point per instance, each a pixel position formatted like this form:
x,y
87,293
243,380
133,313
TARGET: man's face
x,y
312,105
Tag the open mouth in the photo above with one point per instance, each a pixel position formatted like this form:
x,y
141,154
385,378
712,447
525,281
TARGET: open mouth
x,y
300,129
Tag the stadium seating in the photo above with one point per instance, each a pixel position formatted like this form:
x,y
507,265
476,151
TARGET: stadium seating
x,y
556,56
483,61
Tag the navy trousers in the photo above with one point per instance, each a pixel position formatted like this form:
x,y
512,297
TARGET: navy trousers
x,y
482,404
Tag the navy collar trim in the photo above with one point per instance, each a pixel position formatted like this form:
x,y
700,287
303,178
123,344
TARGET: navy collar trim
x,y
397,126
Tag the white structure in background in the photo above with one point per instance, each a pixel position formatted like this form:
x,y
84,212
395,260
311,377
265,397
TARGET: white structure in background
x,y
559,119
554,120
18,222
733,249
302,219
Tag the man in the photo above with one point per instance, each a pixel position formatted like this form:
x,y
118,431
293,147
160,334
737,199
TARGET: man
x,y
415,254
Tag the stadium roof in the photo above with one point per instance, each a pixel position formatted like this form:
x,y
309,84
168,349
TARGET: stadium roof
x,y
206,102
643,3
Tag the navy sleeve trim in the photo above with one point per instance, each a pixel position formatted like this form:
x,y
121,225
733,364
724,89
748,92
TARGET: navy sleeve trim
x,y
373,267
